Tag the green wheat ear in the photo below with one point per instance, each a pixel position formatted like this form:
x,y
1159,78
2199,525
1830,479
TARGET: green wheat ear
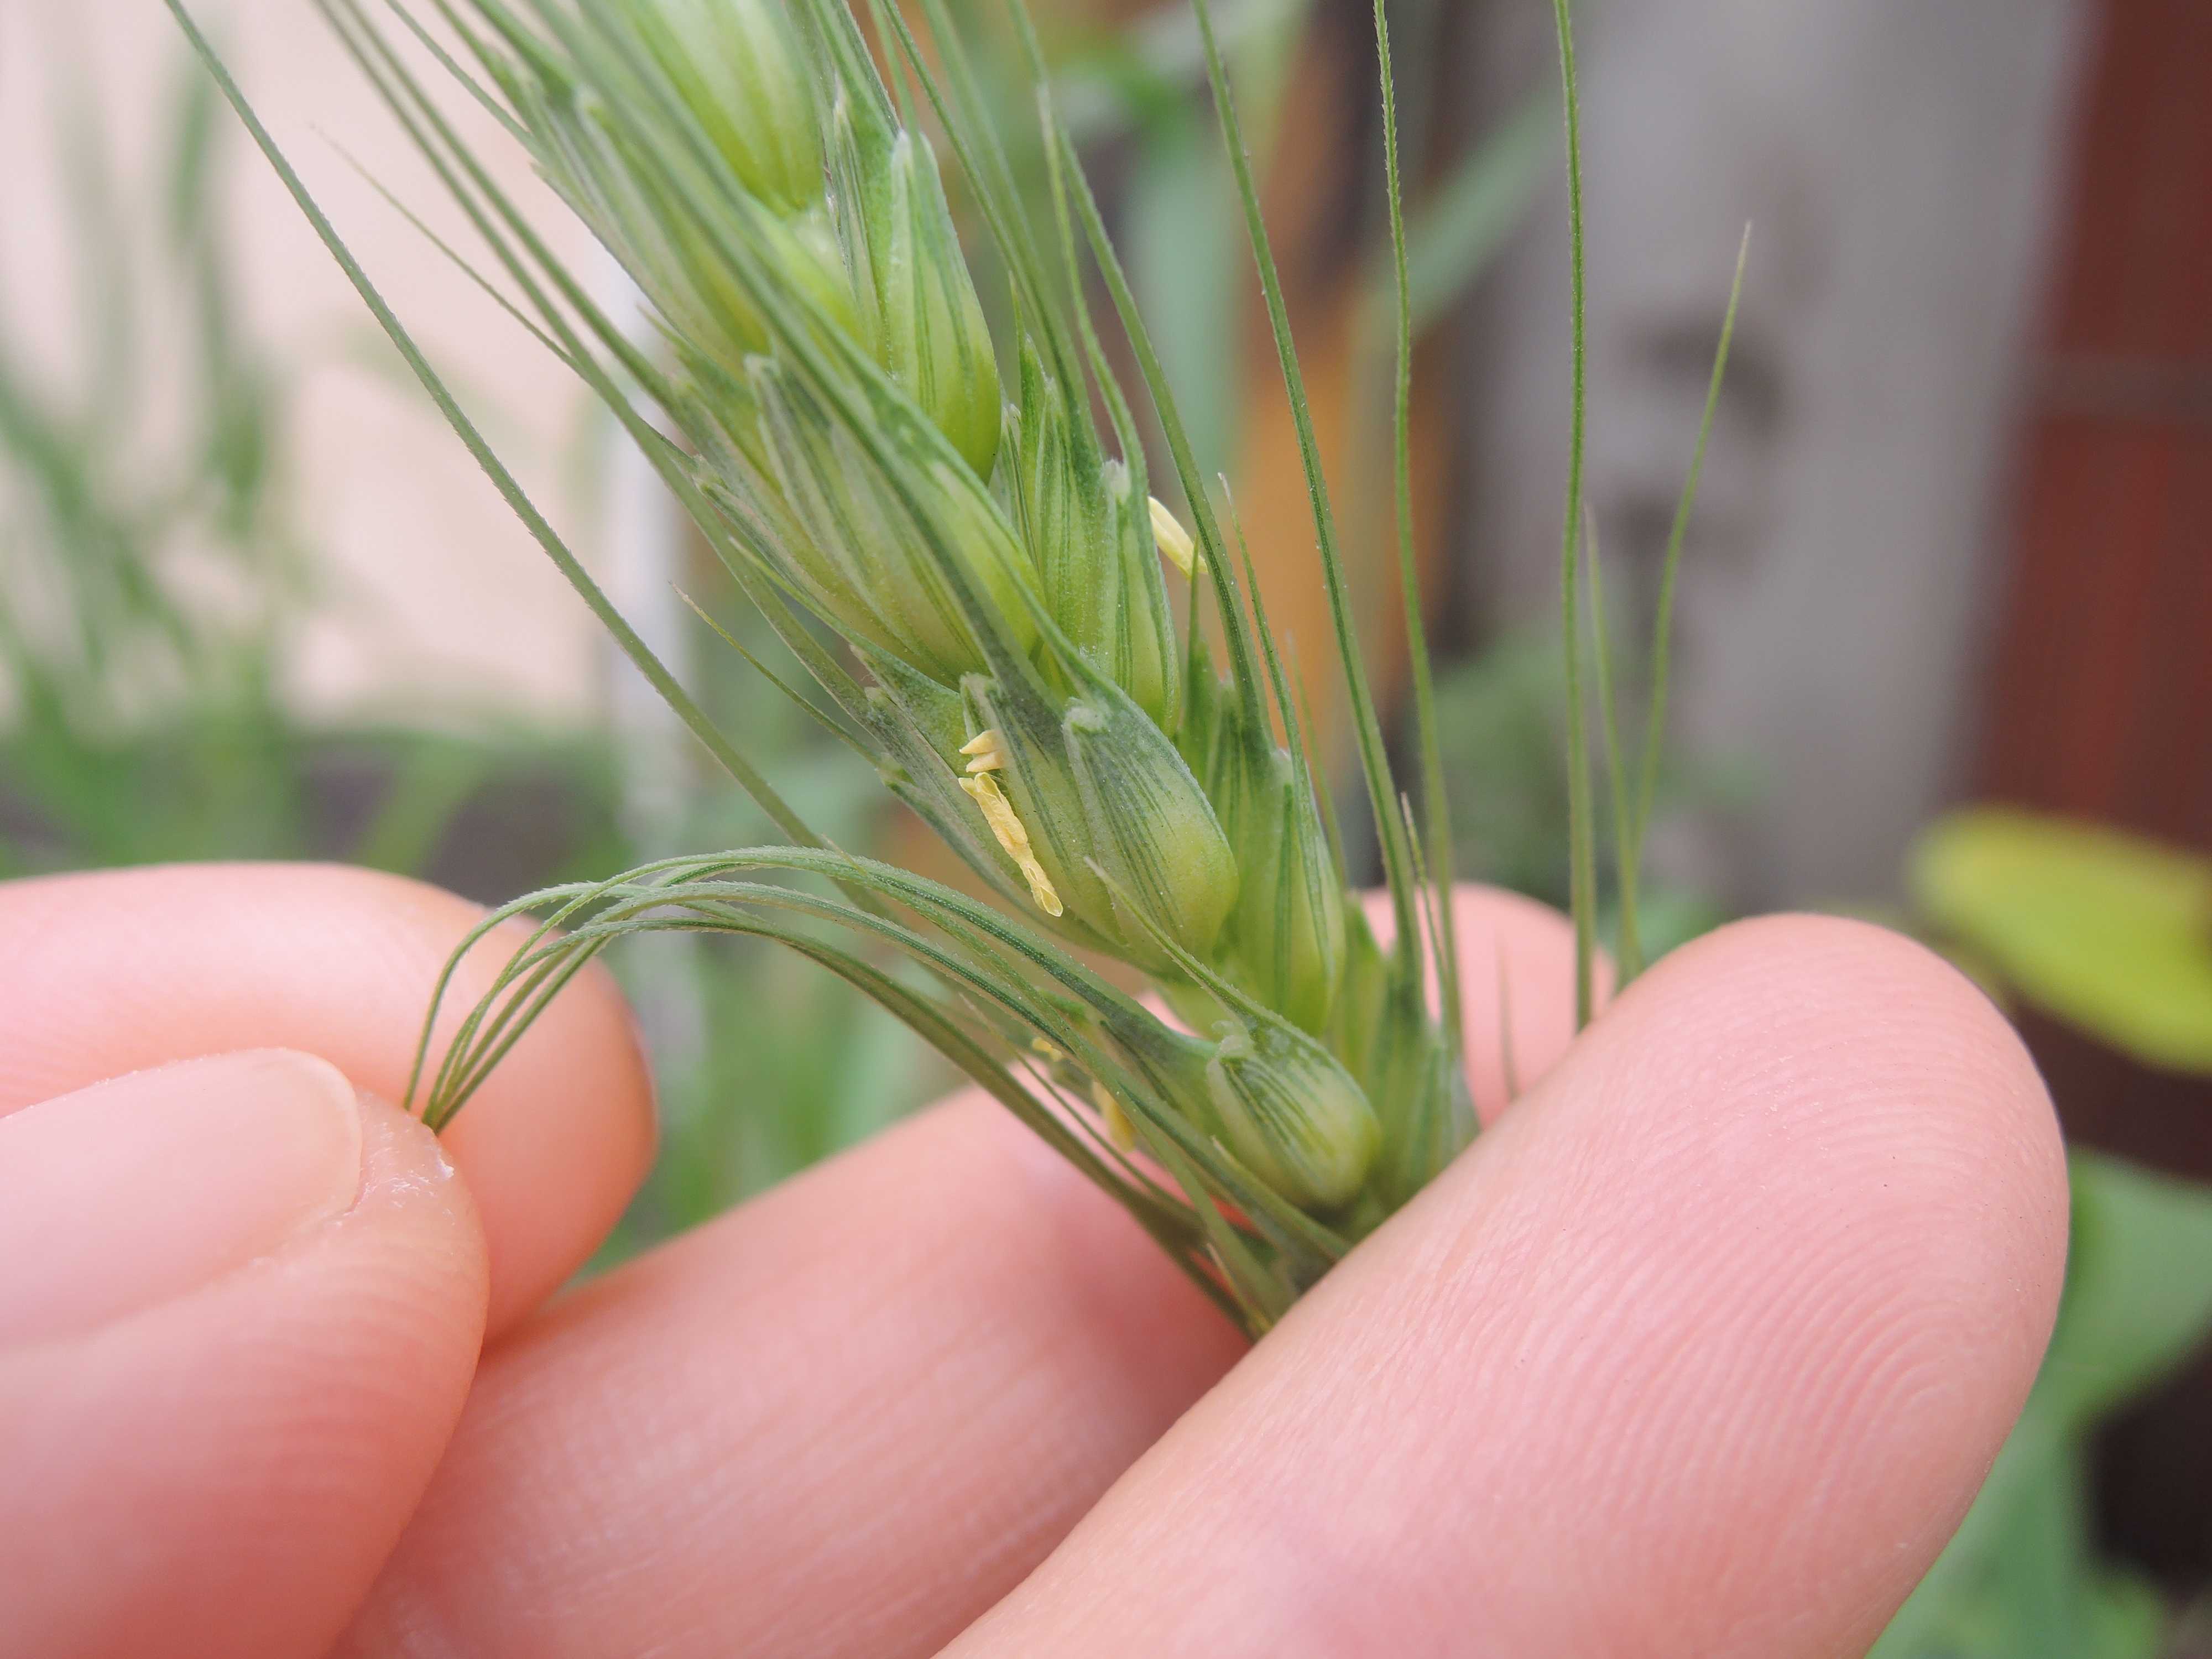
x,y
978,578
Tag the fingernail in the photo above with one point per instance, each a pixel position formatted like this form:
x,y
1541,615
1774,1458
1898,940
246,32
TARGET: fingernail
x,y
133,1191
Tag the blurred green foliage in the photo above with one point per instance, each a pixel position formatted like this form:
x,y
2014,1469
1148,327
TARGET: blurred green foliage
x,y
1504,713
2021,1579
154,579
2112,934
145,578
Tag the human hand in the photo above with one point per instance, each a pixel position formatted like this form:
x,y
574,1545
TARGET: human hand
x,y
1701,1350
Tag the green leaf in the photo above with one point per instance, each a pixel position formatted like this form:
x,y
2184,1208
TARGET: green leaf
x,y
2017,1581
2106,931
2138,1285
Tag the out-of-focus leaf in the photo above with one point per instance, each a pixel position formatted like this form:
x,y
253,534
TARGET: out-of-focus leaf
x,y
2126,1617
1104,85
2138,1286
1187,260
2106,931
1456,233
2017,1581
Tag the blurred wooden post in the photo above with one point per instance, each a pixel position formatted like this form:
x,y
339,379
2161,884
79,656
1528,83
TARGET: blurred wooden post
x,y
2100,699
1317,195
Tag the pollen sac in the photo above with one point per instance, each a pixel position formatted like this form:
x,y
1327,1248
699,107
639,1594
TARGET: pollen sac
x,y
1080,513
986,753
1018,746
1113,817
1014,838
1119,1130
922,321
1290,1114
1173,542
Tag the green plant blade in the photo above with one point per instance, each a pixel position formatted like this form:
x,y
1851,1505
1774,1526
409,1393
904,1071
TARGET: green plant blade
x,y
1663,626
1625,850
1581,832
509,488
1445,942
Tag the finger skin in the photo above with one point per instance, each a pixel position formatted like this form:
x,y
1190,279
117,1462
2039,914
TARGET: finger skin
x,y
1703,1352
222,1473
840,1420
846,1419
1516,971
113,971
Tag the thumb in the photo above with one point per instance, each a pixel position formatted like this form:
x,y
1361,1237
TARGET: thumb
x,y
239,1308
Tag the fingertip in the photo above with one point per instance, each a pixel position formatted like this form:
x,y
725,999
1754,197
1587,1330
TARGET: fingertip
x,y
561,1133
114,971
1900,1058
1862,1152
222,1470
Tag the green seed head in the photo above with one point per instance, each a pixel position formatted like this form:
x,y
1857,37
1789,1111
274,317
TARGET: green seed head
x,y
706,309
931,336
1121,831
1382,1031
1287,935
838,204
1290,1114
744,76
1090,536
866,555
920,318
1152,831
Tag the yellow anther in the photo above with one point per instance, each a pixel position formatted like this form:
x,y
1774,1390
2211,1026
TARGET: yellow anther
x,y
1119,1129
1051,1051
1174,541
998,813
989,749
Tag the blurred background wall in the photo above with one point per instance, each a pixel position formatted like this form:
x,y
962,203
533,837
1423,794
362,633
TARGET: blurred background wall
x,y
428,597
1899,164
